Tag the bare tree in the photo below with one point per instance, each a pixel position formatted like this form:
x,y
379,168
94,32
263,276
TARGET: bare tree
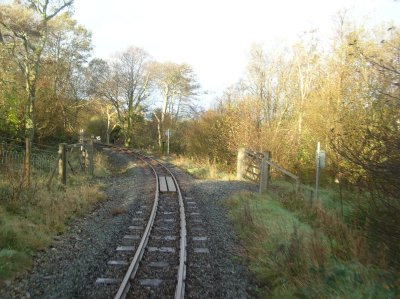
x,y
124,82
178,86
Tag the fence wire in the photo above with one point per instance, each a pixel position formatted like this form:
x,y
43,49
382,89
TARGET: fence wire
x,y
12,158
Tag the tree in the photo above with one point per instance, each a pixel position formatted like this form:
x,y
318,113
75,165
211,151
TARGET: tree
x,y
178,86
125,82
134,78
24,29
62,82
257,84
370,146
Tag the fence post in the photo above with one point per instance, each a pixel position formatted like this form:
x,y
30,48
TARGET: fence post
x,y
62,163
91,157
268,157
264,172
241,163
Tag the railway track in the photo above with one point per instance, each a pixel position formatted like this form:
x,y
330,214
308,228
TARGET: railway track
x,y
152,257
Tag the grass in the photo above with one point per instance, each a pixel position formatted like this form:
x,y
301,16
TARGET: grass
x,y
31,217
340,204
202,169
297,250
296,247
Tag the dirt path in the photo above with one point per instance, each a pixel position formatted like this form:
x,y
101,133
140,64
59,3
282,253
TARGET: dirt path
x,y
69,268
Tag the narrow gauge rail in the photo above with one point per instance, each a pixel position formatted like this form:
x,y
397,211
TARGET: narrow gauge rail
x,y
158,268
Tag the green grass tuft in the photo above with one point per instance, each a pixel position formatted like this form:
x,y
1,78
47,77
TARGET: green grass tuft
x,y
12,261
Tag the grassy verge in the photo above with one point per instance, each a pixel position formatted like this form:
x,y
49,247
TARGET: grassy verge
x,y
298,250
31,217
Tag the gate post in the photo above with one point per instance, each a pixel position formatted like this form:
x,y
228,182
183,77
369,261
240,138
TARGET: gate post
x,y
241,163
264,172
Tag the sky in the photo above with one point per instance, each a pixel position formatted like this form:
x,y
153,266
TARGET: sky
x,y
214,36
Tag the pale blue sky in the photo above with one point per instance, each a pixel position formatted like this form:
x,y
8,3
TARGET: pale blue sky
x,y
214,36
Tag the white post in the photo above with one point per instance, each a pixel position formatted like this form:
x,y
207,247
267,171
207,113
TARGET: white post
x,y
168,133
317,172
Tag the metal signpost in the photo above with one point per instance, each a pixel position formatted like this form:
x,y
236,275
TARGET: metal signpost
x,y
320,164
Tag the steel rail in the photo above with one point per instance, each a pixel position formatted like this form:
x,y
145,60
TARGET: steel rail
x,y
134,265
180,286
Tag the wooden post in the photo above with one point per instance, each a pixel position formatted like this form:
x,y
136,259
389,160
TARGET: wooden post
x,y
268,157
264,173
62,163
91,157
83,157
241,167
28,162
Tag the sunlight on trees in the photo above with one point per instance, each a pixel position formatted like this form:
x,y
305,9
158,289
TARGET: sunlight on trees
x,y
347,96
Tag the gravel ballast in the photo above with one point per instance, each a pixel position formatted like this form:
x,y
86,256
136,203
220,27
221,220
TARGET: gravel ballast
x,y
70,267
218,273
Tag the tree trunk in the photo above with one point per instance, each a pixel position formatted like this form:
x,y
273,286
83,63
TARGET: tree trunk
x,y
158,130
27,162
29,128
128,133
108,126
128,139
159,135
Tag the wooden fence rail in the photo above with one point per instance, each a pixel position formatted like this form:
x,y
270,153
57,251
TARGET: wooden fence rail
x,y
256,167
86,159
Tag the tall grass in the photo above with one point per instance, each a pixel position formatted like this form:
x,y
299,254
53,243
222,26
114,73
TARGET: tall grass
x,y
202,169
294,249
31,217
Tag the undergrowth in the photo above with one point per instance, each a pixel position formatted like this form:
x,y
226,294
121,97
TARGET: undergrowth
x,y
31,216
296,249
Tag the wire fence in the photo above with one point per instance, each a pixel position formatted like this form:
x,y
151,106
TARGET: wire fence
x,y
12,158
47,163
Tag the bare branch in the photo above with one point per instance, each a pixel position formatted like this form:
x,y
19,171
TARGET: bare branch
x,y
66,4
1,38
